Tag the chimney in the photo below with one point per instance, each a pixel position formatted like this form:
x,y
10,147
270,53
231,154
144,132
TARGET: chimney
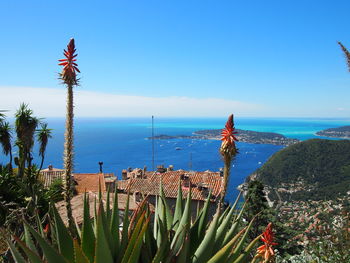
x,y
161,169
50,167
221,170
100,164
171,168
124,174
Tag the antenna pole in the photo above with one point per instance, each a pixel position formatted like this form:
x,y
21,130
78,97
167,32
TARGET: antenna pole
x,y
152,143
190,164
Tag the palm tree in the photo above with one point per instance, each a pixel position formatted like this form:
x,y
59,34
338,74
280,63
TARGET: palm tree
x,y
26,125
43,136
228,151
5,141
346,53
69,78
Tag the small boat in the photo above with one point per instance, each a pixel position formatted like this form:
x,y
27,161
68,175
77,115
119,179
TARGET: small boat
x,y
178,148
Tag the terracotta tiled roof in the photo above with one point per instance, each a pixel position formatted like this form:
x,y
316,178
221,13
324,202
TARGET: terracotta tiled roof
x,y
78,205
201,183
89,182
47,176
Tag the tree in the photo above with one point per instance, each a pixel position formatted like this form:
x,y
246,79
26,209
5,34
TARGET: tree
x,y
69,78
26,125
257,205
5,141
43,136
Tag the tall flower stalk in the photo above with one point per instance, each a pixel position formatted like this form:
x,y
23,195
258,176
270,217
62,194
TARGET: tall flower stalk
x,y
228,151
69,78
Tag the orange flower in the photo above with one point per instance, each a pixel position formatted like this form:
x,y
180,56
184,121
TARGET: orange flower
x,y
228,138
266,251
70,67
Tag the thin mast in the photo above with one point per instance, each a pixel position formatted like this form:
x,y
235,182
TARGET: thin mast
x,y
152,143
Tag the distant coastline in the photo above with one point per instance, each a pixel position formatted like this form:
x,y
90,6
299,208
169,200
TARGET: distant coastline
x,y
242,136
342,132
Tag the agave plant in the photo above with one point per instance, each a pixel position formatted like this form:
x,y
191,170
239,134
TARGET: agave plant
x,y
145,236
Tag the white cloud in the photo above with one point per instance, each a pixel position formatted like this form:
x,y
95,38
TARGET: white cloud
x,y
49,102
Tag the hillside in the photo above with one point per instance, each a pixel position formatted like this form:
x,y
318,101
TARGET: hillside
x,y
316,169
340,132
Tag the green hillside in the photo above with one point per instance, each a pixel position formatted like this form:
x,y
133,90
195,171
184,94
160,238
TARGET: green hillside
x,y
315,169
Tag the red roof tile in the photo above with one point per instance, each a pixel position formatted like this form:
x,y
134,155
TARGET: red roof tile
x,y
89,182
200,181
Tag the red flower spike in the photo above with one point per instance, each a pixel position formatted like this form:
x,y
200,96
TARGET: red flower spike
x,y
70,68
266,251
228,138
229,131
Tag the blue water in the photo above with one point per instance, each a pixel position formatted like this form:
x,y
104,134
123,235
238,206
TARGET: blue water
x,y
120,143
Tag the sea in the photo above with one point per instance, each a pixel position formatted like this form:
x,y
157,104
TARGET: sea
x,y
121,143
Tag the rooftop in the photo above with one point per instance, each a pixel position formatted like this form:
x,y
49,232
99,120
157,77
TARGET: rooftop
x,y
200,182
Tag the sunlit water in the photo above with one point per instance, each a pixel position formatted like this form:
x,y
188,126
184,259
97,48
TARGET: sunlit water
x,y
121,143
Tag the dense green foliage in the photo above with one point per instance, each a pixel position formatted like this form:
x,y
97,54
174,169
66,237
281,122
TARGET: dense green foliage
x,y
257,207
144,237
320,167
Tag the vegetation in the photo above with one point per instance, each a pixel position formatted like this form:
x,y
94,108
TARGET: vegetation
x,y
257,207
311,170
69,78
172,237
228,151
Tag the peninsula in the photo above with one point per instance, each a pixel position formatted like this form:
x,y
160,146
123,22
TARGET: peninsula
x,y
339,132
242,136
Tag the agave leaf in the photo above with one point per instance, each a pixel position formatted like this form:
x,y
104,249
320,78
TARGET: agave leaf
x,y
77,228
135,254
39,224
183,226
50,253
87,233
155,224
64,240
149,244
224,214
95,216
79,255
124,234
114,228
224,252
32,256
28,240
169,217
15,253
103,253
204,218
184,253
108,208
178,209
234,226
204,250
161,252
243,256
222,229
198,229
133,239
238,248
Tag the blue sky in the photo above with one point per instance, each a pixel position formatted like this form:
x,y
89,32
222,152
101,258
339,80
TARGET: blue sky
x,y
179,58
